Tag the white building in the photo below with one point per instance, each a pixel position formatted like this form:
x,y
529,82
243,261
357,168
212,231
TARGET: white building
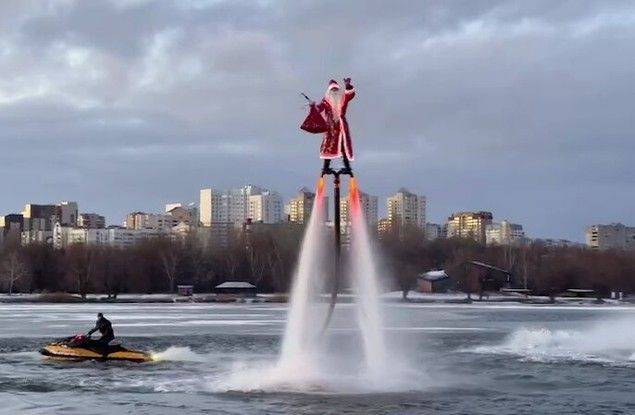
x,y
299,208
227,205
150,221
407,209
504,233
39,236
266,207
124,238
468,225
170,206
187,213
613,236
368,204
114,236
206,204
559,243
433,231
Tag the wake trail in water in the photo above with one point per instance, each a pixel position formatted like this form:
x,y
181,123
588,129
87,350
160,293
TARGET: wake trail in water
x,y
611,342
179,354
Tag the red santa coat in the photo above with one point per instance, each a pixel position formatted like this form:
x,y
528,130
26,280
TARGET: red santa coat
x,y
337,137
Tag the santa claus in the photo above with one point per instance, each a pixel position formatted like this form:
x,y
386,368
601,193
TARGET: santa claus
x,y
337,140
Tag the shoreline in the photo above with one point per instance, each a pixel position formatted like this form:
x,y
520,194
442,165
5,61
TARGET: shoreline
x,y
282,298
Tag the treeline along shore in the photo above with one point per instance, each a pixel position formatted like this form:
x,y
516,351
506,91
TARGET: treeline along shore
x,y
267,259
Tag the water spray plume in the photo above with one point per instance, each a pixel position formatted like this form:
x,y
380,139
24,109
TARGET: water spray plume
x,y
365,277
298,346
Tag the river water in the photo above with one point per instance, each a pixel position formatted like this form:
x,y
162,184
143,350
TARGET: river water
x,y
447,359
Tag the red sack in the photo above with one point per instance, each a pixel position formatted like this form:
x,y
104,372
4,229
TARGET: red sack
x,y
314,122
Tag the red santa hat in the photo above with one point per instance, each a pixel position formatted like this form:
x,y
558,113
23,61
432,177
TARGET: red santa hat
x,y
333,84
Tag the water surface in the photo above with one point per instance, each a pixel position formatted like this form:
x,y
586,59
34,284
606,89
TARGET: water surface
x,y
452,359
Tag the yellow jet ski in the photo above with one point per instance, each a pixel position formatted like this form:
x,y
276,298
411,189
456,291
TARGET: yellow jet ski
x,y
83,348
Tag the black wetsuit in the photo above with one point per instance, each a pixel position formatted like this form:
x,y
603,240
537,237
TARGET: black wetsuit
x,y
105,328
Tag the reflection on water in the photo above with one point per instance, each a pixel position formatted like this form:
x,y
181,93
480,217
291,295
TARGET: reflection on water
x,y
215,358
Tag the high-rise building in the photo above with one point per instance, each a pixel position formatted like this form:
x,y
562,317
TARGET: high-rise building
x,y
238,203
433,231
368,203
43,217
469,225
208,207
11,227
66,213
91,221
156,221
38,217
183,213
383,227
266,207
226,206
39,220
300,207
504,233
406,209
613,236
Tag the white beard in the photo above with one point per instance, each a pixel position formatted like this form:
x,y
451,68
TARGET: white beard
x,y
334,97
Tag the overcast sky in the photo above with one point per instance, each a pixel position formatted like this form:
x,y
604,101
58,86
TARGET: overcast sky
x,y
524,108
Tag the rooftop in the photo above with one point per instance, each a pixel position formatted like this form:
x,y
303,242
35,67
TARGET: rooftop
x,y
235,284
434,275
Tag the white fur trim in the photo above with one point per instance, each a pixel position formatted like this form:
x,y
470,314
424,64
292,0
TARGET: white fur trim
x,y
343,140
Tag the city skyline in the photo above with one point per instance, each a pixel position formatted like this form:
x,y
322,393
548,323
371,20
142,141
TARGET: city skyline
x,y
383,209
62,223
515,108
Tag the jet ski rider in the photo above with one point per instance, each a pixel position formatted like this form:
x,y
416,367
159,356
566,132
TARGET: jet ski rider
x,y
105,328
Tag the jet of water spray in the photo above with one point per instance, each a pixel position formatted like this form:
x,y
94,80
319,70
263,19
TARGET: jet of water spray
x,y
366,281
303,340
304,316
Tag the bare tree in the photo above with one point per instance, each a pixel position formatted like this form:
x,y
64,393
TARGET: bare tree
x,y
81,264
169,261
510,257
269,258
276,266
233,258
12,270
258,263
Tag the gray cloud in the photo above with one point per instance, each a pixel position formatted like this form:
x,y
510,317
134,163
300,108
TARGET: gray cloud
x,y
518,107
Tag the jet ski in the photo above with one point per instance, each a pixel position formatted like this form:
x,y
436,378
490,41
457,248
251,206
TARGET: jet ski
x,y
81,347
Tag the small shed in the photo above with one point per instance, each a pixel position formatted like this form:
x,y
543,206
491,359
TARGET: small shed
x,y
241,288
435,281
185,290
